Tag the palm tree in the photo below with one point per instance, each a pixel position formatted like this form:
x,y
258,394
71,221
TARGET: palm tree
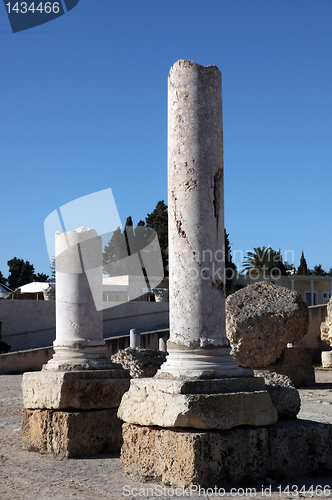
x,y
258,261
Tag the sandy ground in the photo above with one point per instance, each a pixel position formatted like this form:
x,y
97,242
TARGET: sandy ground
x,y
27,475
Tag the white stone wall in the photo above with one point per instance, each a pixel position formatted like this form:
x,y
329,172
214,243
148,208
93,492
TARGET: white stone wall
x,y
28,324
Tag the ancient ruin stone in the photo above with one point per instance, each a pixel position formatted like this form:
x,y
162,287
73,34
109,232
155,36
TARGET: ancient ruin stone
x,y
179,458
285,398
49,293
260,320
326,326
141,362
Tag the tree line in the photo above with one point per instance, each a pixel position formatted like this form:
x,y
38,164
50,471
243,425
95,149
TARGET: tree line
x,y
265,260
262,260
21,272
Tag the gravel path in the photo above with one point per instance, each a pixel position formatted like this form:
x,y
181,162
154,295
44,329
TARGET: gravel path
x,y
27,475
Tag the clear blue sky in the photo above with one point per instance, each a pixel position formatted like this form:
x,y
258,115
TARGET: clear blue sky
x,y
83,108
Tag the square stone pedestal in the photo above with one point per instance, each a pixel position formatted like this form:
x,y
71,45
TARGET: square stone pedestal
x,y
85,390
198,403
184,457
72,414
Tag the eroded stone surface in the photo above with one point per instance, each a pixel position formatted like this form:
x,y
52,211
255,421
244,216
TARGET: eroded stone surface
x,y
326,326
75,390
195,206
327,359
139,361
260,320
219,404
285,398
182,457
65,434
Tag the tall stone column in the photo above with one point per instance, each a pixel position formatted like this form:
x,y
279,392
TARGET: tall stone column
x,y
79,340
198,345
200,385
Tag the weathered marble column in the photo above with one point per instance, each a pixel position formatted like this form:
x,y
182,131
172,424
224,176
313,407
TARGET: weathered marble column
x,y
198,345
79,340
70,407
200,385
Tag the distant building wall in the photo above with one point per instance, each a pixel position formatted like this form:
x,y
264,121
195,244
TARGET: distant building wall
x,y
314,290
34,359
28,324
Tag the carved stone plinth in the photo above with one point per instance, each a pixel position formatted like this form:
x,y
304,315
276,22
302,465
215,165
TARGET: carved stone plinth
x,y
85,390
201,404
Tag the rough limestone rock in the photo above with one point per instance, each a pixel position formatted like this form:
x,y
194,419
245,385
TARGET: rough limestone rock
x,y
285,398
261,319
68,434
141,362
326,326
184,457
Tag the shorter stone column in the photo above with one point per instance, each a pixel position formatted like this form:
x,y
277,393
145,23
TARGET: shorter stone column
x,y
79,342
70,407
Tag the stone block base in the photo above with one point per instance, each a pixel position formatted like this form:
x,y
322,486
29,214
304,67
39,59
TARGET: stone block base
x,y
301,376
201,404
68,434
76,390
180,457
327,359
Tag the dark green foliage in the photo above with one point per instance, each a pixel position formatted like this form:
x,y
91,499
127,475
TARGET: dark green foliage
x,y
319,271
303,270
267,262
41,278
3,280
158,220
114,253
256,261
52,266
21,272
134,239
230,267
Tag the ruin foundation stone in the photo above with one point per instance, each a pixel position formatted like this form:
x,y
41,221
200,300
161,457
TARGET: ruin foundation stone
x,y
185,457
261,319
69,434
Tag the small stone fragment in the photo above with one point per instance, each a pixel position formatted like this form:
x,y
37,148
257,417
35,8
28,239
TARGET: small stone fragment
x,y
284,396
141,362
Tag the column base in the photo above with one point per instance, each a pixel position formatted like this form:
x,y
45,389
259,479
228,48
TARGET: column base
x,y
201,363
179,457
201,404
79,357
